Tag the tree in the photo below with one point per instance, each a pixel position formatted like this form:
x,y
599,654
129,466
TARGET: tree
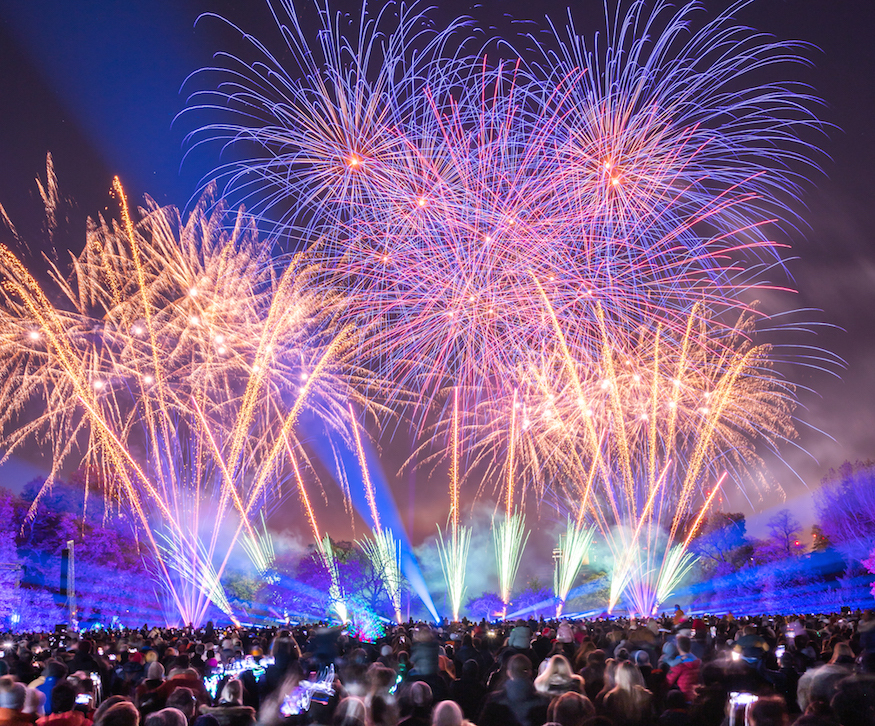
x,y
819,541
846,509
722,543
535,600
785,532
360,580
870,565
10,564
489,605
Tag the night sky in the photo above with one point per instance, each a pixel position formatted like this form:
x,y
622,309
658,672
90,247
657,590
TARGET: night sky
x,y
98,83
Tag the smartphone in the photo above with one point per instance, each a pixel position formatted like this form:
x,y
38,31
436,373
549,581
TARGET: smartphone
x,y
779,651
84,699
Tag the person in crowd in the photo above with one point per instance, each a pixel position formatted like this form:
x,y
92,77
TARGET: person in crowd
x,y
84,660
570,709
684,672
64,711
517,703
183,700
769,711
12,699
417,705
866,630
122,713
53,673
183,678
230,710
676,711
558,678
751,645
468,690
447,713
594,673
166,717
628,703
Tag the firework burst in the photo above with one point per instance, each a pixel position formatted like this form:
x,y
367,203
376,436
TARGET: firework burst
x,y
177,362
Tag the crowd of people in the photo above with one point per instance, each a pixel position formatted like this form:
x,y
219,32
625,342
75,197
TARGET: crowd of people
x,y
671,671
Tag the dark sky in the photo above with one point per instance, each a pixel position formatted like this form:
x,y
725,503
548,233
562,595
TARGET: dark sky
x,y
97,83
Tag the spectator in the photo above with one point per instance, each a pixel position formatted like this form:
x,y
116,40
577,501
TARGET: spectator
x,y
769,711
231,711
53,673
570,709
684,673
676,711
146,695
520,638
83,660
418,705
64,711
12,699
183,700
447,713
866,629
629,703
854,701
558,678
468,691
350,711
123,713
594,673
166,717
187,678
751,646
517,703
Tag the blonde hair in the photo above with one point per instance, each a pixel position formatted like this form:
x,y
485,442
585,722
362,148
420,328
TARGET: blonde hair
x,y
232,692
627,677
557,669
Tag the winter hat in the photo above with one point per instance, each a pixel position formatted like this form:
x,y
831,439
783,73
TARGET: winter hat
x,y
12,694
520,637
564,634
155,671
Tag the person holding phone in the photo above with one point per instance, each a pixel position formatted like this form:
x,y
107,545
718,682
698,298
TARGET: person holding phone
x,y
64,710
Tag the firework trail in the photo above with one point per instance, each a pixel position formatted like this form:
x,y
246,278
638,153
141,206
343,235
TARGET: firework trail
x,y
336,594
175,361
510,538
384,552
573,550
383,549
453,550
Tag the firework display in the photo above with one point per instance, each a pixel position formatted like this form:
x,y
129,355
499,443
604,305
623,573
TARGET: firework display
x,y
167,362
569,557
453,550
538,254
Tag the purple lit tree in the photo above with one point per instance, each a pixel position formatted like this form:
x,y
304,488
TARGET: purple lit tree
x,y
846,508
870,565
489,605
10,564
